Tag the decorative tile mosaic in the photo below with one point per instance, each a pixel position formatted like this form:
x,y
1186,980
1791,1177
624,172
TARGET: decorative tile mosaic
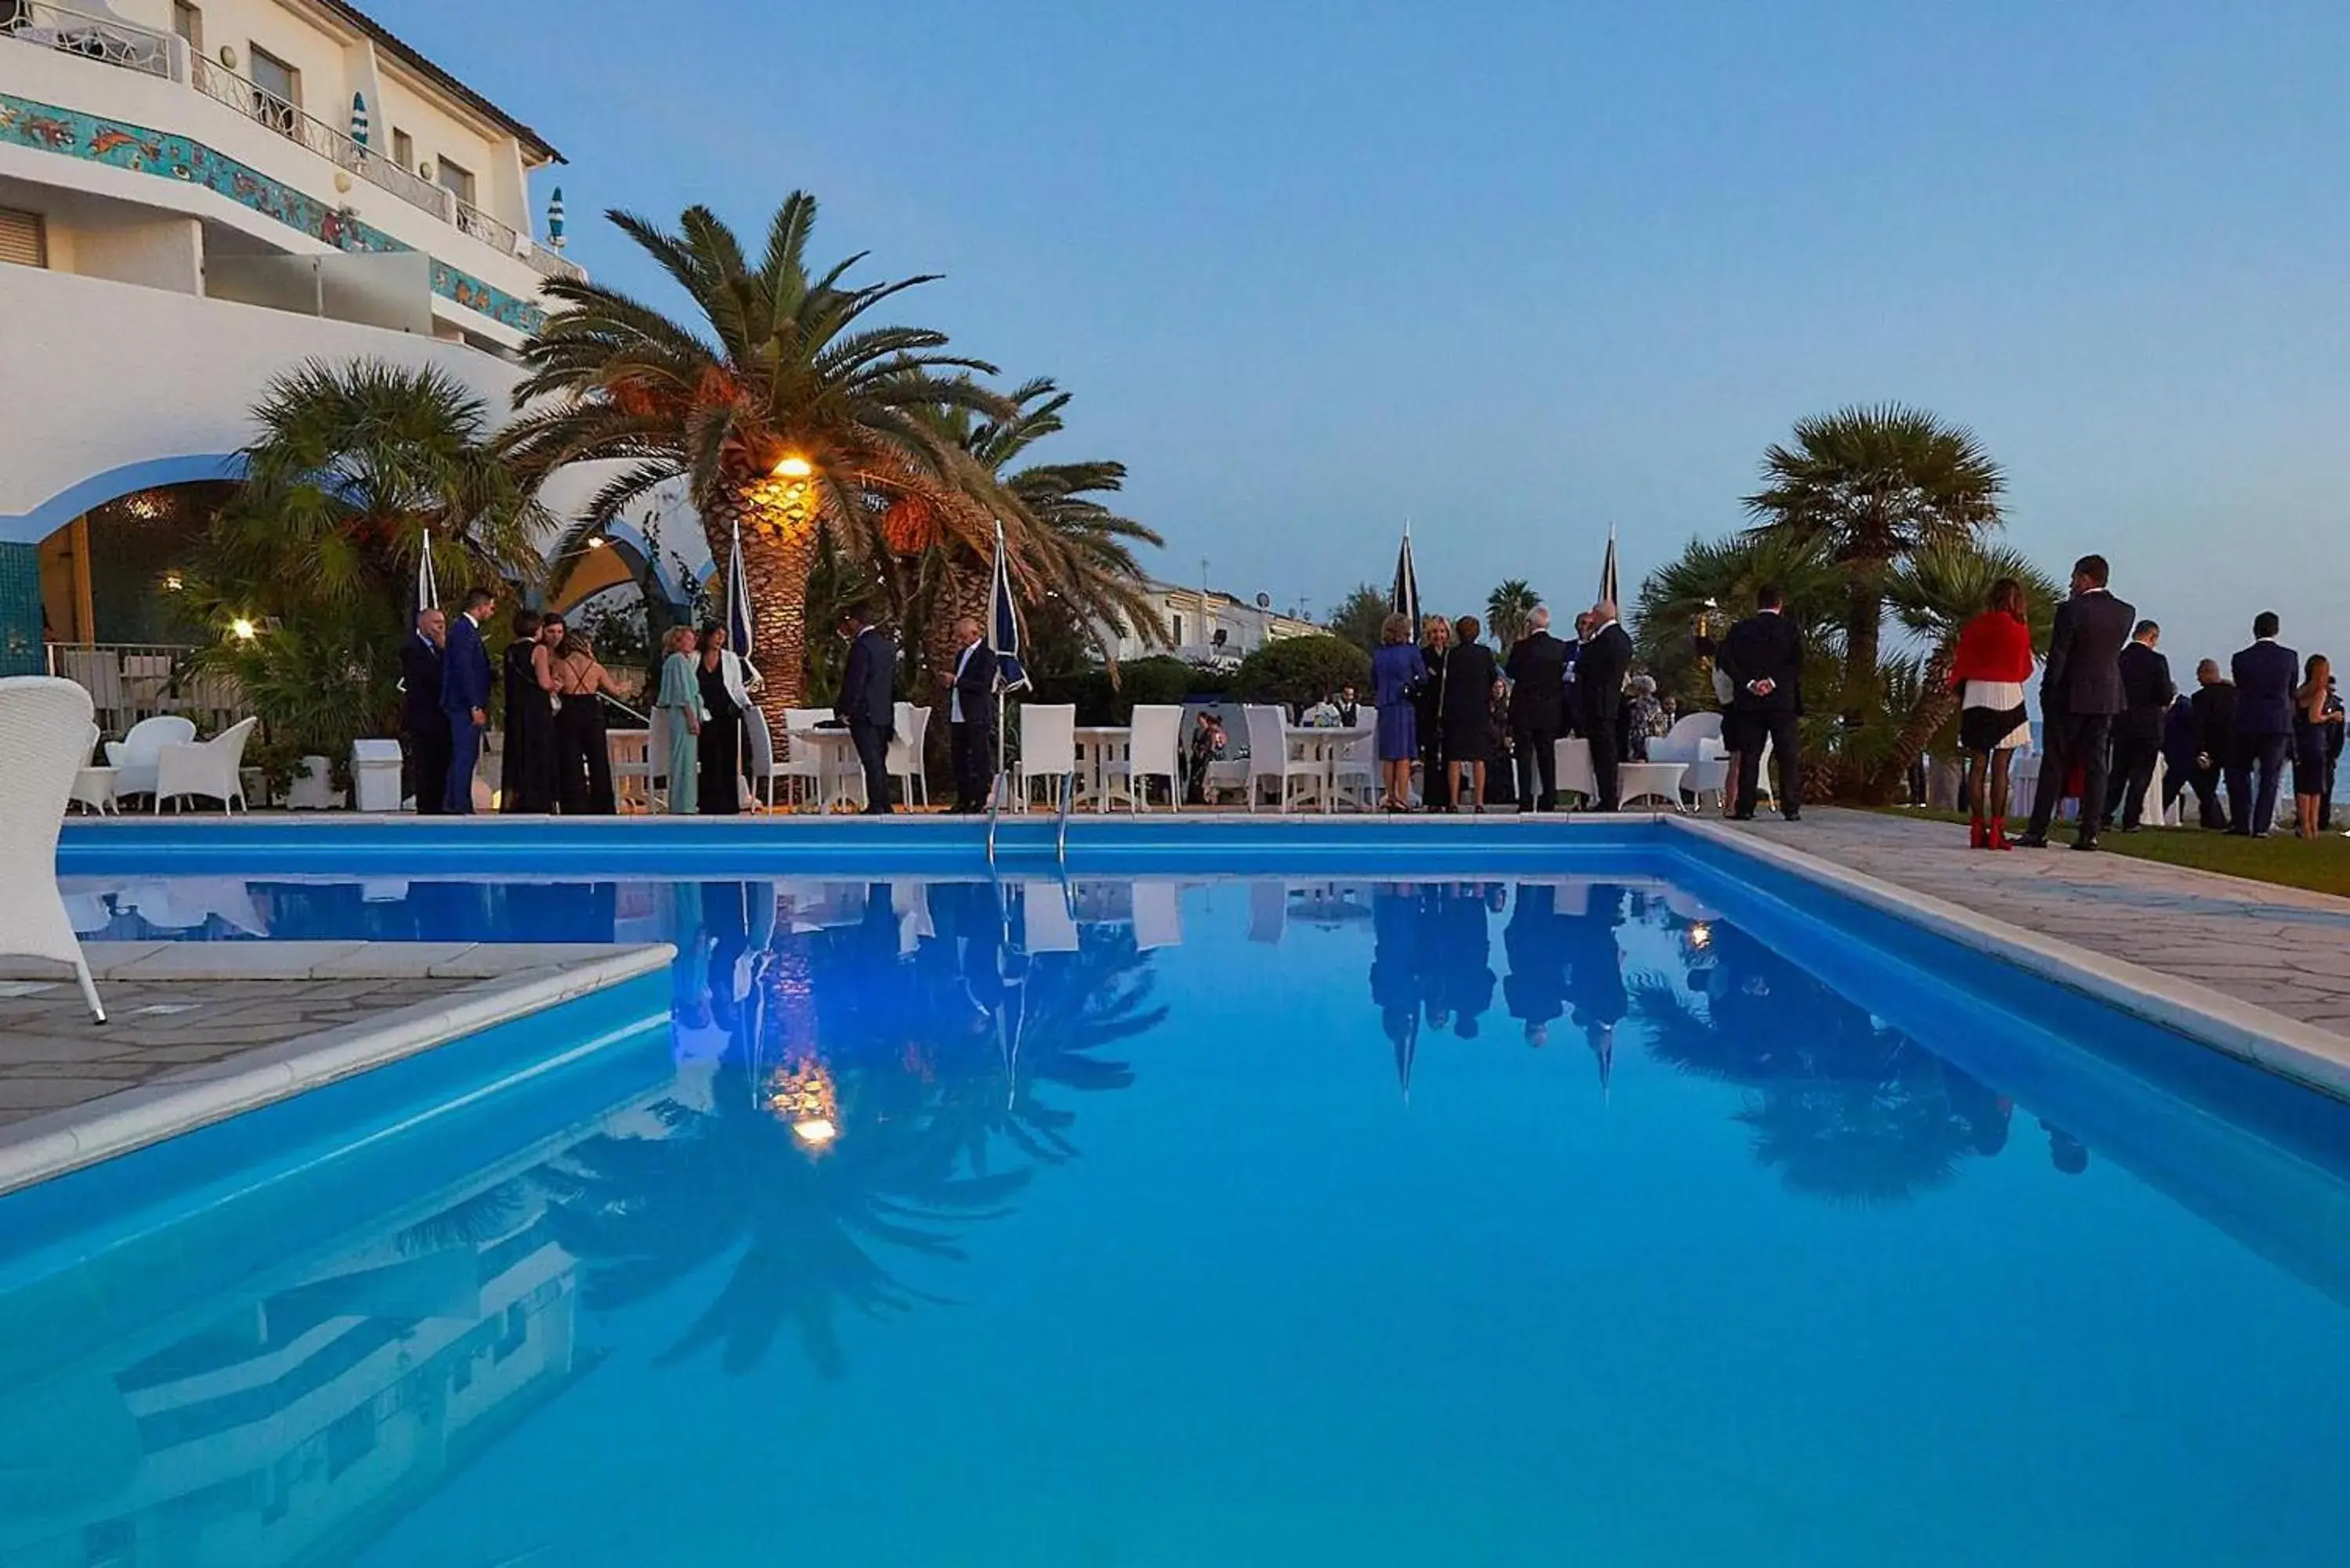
x,y
121,146
20,610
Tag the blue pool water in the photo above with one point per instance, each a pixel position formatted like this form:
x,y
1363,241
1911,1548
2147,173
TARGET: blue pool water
x,y
1640,1216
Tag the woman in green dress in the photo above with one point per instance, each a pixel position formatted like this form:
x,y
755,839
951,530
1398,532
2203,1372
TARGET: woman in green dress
x,y
681,698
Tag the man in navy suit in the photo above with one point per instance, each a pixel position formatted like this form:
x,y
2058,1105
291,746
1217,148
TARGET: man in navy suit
x,y
867,689
971,716
2266,674
2080,692
465,698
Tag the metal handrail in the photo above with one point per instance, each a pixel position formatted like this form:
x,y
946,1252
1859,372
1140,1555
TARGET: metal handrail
x,y
1068,799
995,810
223,86
106,39
549,263
472,220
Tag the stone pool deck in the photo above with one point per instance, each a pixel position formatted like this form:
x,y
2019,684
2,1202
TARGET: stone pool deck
x,y
199,1031
2278,948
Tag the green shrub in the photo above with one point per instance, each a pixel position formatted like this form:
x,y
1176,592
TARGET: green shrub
x,y
1158,680
1302,670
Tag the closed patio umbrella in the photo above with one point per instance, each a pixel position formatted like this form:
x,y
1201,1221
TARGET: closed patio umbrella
x,y
1404,598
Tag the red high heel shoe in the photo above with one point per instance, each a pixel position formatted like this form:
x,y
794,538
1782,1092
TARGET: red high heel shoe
x,y
1978,835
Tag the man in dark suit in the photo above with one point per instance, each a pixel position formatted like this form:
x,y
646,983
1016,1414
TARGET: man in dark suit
x,y
868,686
2266,674
2080,692
465,698
971,717
1573,713
425,727
2146,691
2214,704
1763,657
1600,671
1537,672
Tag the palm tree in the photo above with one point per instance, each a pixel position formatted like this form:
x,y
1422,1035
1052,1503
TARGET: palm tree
x,y
1933,596
1509,611
1874,484
781,409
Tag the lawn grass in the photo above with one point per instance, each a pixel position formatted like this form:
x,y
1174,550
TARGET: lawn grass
x,y
2321,865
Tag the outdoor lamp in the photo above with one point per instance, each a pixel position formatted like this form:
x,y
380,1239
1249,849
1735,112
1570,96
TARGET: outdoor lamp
x,y
243,630
785,502
793,467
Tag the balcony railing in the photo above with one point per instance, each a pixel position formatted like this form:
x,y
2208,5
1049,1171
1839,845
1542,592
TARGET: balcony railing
x,y
71,32
115,43
130,682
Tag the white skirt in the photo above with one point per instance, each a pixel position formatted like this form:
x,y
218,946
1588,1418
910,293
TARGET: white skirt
x,y
2000,697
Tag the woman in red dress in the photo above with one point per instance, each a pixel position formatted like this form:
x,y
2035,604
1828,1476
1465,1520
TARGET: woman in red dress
x,y
1992,662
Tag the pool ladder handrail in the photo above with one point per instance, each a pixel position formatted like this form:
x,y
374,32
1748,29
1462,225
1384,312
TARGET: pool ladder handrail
x,y
1061,839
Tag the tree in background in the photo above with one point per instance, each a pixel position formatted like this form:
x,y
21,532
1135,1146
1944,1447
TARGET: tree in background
x,y
1296,670
1509,611
1873,485
785,412
1360,615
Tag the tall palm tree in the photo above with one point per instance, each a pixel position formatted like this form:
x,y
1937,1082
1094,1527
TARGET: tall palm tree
x,y
784,410
1509,611
1874,484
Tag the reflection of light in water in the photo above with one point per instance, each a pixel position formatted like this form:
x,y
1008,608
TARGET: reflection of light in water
x,y
1700,935
801,1096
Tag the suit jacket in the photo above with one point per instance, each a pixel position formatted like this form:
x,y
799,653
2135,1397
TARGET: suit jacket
x,y
869,684
419,685
465,669
1537,669
2146,686
975,685
1765,647
2266,674
2083,674
1600,671
2215,722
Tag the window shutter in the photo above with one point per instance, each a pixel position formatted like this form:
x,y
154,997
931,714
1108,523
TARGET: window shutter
x,y
22,239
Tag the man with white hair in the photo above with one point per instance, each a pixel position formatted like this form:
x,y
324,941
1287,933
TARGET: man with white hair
x,y
1537,671
1600,672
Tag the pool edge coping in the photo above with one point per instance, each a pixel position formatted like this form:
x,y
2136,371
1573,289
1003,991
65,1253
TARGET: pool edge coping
x,y
51,1145
2316,1057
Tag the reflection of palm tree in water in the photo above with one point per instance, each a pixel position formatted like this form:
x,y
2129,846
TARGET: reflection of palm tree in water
x,y
1843,1107
919,1089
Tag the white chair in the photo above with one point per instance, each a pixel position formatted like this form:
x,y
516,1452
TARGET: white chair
x,y
1761,780
758,758
207,769
133,756
1048,748
801,767
632,755
45,726
1354,770
1687,741
1045,924
1153,752
1268,911
1574,774
1269,758
905,755
1158,915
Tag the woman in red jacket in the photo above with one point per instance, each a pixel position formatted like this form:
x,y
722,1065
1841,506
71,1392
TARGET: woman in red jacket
x,y
1992,662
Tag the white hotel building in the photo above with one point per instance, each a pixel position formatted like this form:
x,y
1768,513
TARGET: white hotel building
x,y
185,212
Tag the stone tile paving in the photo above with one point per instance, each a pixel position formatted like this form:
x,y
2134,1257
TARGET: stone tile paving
x,y
2279,948
52,1055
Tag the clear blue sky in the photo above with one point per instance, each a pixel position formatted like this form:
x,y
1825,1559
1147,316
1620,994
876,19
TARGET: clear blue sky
x,y
1519,270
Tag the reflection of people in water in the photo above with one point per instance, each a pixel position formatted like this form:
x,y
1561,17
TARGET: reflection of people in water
x,y
1396,968
1462,979
1536,942
1985,1113
2065,1152
1595,978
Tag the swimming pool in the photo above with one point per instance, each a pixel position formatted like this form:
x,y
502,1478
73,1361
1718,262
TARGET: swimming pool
x,y
1625,1207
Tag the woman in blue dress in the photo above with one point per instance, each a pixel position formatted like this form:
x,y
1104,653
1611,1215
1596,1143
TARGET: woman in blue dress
x,y
1398,672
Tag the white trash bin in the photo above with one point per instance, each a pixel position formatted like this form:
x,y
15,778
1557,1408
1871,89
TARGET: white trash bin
x,y
375,775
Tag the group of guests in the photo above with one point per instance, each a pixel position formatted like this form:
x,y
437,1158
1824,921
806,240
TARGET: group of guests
x,y
2110,709
1454,705
550,694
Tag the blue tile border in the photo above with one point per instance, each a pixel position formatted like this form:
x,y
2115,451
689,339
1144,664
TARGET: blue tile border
x,y
119,145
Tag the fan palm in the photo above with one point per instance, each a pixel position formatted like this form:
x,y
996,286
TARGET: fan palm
x,y
1874,485
785,412
1509,611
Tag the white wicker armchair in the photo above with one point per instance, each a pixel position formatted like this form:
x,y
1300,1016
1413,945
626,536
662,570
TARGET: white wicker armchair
x,y
133,756
44,727
209,769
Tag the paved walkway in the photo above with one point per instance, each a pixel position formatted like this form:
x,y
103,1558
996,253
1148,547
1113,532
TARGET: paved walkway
x,y
2277,947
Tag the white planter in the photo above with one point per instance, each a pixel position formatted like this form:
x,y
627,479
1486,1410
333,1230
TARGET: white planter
x,y
313,788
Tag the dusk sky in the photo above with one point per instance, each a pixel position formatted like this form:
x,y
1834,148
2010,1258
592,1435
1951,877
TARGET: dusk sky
x,y
1517,271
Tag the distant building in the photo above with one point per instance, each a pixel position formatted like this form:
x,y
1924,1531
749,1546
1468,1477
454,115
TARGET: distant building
x,y
1205,626
196,198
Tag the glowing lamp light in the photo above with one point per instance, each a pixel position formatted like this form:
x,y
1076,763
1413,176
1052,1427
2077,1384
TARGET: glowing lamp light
x,y
793,467
816,1132
595,541
172,583
243,630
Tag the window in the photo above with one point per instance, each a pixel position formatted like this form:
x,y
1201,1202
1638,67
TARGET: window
x,y
189,23
403,150
22,239
456,180
278,103
1175,629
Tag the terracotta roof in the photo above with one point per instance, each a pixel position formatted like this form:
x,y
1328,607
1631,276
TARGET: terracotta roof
x,y
531,140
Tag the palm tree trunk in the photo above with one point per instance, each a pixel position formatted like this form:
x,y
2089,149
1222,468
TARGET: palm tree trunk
x,y
1935,701
1863,627
775,567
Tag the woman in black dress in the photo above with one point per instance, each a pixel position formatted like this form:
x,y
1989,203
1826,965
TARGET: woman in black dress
x,y
1428,696
1469,678
721,747
527,770
583,754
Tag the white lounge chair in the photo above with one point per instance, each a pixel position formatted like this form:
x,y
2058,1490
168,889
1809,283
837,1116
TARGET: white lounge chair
x,y
1048,748
904,762
133,756
208,770
45,726
1153,752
